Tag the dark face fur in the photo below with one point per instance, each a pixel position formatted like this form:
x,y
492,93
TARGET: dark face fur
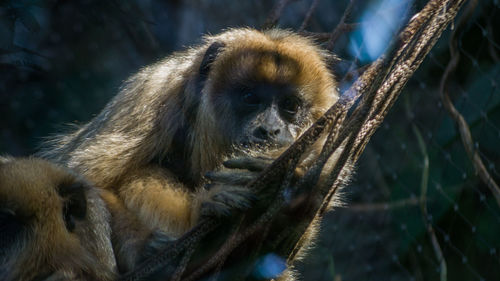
x,y
262,104
264,113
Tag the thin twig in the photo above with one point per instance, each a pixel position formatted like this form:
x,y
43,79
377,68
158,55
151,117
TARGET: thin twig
x,y
491,46
423,206
308,16
341,26
325,36
424,183
354,73
275,14
463,127
373,207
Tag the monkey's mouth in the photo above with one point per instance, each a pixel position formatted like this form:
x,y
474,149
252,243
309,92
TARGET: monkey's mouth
x,y
253,143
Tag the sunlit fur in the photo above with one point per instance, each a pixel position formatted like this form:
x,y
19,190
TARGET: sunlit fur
x,y
44,247
119,148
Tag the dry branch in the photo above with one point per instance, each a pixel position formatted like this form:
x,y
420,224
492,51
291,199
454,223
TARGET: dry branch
x,y
342,26
309,14
424,183
459,120
275,15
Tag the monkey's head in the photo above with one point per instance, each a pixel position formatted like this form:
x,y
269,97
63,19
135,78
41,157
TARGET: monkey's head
x,y
257,88
44,222
187,112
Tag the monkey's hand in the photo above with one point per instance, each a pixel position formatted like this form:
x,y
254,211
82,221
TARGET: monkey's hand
x,y
226,191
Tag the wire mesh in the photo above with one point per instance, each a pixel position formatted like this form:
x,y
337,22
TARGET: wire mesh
x,y
417,207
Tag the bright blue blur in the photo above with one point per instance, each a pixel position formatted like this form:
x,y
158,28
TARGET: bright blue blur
x,y
379,23
269,266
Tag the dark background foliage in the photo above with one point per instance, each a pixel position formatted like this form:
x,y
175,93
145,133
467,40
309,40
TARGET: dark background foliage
x,y
61,61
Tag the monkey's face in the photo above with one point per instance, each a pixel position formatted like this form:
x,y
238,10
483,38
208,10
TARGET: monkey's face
x,y
264,114
267,97
247,89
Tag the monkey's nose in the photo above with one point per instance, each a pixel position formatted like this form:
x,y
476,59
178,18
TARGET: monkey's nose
x,y
266,133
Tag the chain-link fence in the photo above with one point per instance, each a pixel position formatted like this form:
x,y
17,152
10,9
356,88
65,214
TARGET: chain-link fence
x,y
421,205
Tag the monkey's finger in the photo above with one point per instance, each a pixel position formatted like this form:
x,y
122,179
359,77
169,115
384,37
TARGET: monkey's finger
x,y
236,197
157,241
231,178
214,209
249,163
228,199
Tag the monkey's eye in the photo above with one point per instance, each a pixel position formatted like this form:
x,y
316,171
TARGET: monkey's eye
x,y
290,105
250,98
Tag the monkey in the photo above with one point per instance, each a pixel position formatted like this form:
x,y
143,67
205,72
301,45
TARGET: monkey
x,y
174,123
54,225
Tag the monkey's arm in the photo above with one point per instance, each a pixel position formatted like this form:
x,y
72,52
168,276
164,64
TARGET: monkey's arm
x,y
129,235
152,209
158,200
149,210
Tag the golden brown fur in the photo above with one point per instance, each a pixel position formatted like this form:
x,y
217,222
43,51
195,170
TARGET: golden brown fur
x,y
54,224
168,126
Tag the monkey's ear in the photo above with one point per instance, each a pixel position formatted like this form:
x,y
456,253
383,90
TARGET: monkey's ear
x,y
209,57
75,203
11,227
